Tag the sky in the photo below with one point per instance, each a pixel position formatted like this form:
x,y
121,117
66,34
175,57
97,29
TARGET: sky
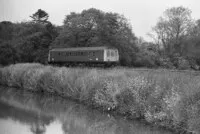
x,y
141,14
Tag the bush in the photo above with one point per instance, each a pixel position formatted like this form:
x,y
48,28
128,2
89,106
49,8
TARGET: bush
x,y
106,90
146,59
165,62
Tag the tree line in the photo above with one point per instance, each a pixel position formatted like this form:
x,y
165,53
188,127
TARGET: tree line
x,y
176,38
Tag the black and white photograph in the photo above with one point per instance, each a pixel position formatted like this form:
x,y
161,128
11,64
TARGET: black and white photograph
x,y
100,67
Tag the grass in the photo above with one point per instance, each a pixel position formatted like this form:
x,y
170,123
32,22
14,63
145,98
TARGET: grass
x,y
164,97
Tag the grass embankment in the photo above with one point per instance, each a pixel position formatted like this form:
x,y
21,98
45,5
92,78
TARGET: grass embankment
x,y
170,99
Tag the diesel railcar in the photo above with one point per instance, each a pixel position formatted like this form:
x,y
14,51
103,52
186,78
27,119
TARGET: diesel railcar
x,y
84,55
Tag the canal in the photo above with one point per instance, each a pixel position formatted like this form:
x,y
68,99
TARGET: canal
x,y
23,112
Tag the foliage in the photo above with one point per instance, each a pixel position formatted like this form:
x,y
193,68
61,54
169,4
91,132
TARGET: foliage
x,y
93,27
40,16
26,41
176,38
6,29
147,56
173,28
8,54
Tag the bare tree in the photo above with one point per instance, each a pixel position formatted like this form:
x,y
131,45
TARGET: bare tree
x,y
173,28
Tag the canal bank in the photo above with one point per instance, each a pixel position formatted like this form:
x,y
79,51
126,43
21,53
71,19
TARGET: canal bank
x,y
27,112
159,97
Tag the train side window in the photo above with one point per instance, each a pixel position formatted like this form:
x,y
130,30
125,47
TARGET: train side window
x,y
59,53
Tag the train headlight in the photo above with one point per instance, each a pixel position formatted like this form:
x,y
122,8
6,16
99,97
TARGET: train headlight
x,y
97,59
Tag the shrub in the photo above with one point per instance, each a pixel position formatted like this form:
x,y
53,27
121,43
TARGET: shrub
x,y
31,78
106,90
46,80
166,63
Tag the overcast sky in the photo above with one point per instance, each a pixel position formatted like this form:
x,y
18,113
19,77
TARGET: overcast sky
x,y
142,14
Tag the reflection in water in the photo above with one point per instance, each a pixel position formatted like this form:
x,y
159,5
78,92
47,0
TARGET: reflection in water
x,y
45,114
36,122
39,126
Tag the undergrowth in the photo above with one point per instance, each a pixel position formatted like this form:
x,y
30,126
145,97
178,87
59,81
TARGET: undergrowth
x,y
170,99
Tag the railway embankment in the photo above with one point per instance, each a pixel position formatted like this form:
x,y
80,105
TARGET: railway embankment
x,y
166,98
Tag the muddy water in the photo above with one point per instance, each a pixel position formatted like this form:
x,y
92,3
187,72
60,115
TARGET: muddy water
x,y
23,112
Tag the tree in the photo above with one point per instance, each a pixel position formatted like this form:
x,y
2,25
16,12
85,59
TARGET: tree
x,y
27,41
40,16
6,30
173,28
33,41
195,31
192,45
93,27
8,54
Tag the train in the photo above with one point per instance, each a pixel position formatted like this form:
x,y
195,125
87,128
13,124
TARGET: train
x,y
87,56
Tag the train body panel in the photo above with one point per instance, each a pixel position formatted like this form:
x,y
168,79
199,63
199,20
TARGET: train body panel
x,y
83,55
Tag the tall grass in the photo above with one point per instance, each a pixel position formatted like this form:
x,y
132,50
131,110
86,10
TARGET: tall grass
x,y
170,99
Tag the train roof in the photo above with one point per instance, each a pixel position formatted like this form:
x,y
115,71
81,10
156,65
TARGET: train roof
x,y
81,48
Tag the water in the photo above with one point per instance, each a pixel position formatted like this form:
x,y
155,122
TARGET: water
x,y
22,112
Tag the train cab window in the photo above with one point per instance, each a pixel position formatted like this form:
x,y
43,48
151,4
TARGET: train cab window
x,y
108,53
116,53
112,53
